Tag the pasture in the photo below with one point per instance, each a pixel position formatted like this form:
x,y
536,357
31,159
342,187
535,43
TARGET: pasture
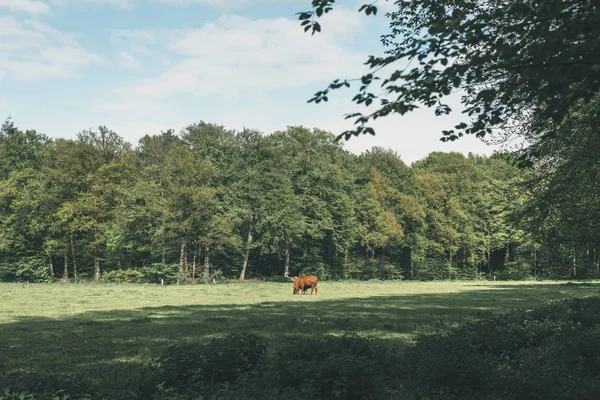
x,y
103,338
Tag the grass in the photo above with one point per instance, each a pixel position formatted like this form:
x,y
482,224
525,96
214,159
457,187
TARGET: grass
x,y
104,336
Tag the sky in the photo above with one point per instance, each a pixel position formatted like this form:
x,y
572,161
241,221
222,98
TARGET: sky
x,y
144,66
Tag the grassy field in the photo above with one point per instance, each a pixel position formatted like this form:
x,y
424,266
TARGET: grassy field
x,y
103,336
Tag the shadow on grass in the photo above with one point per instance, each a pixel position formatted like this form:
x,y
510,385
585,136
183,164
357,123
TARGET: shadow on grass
x,y
110,351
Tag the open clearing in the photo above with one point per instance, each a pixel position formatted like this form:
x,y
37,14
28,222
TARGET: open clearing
x,y
105,335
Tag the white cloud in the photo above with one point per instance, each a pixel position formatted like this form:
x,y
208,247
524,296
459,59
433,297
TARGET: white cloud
x,y
32,50
125,4
227,5
238,55
215,3
127,61
28,6
413,135
234,58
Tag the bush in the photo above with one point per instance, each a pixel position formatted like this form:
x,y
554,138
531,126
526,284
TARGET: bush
x,y
150,274
27,269
518,270
549,353
8,272
333,367
432,269
202,367
364,269
123,276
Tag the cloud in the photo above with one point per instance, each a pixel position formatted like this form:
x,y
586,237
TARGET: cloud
x,y
215,3
114,3
237,55
32,50
227,5
413,135
127,61
125,4
28,6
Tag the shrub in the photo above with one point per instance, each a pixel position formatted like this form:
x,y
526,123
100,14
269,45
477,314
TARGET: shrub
x,y
550,353
8,272
333,367
149,274
518,270
123,276
432,269
27,269
201,367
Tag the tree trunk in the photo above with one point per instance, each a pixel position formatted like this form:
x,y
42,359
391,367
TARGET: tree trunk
x,y
97,272
182,258
66,267
286,265
163,249
345,263
185,262
372,253
74,259
246,254
194,265
206,263
51,267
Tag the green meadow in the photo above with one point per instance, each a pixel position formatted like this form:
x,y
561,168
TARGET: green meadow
x,y
103,338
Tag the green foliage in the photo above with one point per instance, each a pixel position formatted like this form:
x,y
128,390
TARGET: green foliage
x,y
512,61
549,353
330,367
11,394
366,269
149,274
345,367
432,269
8,272
33,269
198,368
518,270
27,269
294,203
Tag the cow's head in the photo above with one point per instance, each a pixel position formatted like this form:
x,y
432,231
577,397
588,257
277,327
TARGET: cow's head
x,y
296,285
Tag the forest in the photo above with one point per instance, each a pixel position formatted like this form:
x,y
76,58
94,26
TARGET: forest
x,y
210,204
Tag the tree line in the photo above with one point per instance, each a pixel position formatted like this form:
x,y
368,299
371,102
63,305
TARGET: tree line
x,y
212,203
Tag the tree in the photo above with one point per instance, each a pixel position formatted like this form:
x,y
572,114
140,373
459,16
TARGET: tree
x,y
510,60
563,203
379,225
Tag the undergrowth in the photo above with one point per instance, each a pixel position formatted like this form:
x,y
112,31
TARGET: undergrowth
x,y
552,352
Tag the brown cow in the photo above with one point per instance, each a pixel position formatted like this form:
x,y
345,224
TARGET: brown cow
x,y
302,283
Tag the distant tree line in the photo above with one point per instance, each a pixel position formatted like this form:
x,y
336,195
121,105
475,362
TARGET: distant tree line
x,y
212,203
